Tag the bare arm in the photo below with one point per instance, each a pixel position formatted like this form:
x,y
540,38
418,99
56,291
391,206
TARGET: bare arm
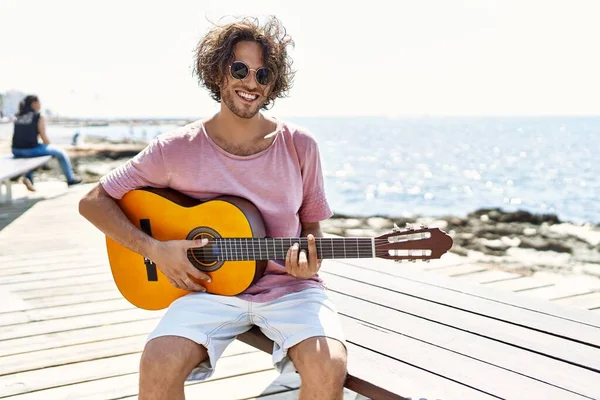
x,y
42,130
312,227
104,213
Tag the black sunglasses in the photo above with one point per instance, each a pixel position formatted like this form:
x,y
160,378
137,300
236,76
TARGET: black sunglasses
x,y
239,70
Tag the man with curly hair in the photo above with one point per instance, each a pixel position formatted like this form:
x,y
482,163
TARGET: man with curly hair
x,y
276,165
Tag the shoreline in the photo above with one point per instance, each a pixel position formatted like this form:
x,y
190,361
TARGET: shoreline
x,y
519,242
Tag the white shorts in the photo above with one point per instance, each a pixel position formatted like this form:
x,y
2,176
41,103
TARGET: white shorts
x,y
214,321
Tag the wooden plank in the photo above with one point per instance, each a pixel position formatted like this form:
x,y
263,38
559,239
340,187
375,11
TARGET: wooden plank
x,y
65,282
556,292
59,265
71,354
84,352
407,380
460,307
83,321
291,395
64,300
457,270
11,302
365,307
586,301
479,375
242,386
71,310
88,378
491,275
32,381
29,344
522,283
18,255
479,295
73,289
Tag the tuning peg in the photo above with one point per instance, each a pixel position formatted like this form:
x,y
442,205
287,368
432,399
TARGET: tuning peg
x,y
396,228
412,260
426,260
424,226
409,226
398,261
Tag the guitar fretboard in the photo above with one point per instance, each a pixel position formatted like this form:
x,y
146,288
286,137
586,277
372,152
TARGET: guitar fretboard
x,y
245,249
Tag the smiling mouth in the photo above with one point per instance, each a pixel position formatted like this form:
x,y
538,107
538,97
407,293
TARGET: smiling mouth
x,y
246,97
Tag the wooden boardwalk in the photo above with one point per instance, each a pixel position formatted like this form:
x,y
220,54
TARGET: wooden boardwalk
x,y
67,333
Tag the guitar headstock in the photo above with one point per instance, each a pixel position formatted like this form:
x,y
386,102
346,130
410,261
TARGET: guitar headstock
x,y
422,243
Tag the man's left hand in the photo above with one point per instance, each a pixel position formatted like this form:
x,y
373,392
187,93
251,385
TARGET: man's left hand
x,y
300,264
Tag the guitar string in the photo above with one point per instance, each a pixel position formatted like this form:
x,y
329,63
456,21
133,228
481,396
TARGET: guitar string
x,y
236,253
236,244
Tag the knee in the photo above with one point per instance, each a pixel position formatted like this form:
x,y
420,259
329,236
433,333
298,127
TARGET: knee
x,y
324,364
56,151
168,360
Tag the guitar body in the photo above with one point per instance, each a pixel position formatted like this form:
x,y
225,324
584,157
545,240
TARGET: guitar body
x,y
237,252
168,215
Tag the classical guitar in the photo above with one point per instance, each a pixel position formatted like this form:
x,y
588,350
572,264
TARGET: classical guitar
x,y
237,252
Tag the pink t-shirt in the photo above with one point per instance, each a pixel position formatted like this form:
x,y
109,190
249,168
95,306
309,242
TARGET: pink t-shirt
x,y
284,182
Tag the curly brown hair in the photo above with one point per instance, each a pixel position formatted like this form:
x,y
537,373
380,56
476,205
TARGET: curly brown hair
x,y
215,52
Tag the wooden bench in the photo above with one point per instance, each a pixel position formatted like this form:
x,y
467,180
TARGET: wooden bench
x,y
417,334
11,167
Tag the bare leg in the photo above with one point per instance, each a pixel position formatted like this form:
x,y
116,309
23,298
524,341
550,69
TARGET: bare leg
x,y
166,363
321,363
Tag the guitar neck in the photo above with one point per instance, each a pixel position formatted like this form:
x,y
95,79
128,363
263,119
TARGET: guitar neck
x,y
244,249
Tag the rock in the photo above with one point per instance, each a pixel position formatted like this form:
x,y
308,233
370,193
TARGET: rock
x,y
510,242
496,244
586,233
380,223
497,215
458,222
541,244
361,233
345,223
334,230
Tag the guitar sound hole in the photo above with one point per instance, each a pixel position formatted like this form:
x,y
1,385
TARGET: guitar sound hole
x,y
204,258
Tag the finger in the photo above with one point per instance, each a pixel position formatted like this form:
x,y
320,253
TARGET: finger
x,y
179,283
294,259
312,250
302,261
196,273
294,255
198,242
288,261
190,245
193,286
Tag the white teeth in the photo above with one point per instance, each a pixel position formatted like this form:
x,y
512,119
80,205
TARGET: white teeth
x,y
247,96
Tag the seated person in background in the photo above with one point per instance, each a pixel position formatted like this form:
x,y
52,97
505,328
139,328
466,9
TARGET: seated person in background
x,y
28,125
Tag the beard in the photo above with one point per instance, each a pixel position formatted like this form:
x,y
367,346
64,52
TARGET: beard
x,y
229,98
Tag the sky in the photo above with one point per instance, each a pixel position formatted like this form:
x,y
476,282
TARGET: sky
x,y
130,58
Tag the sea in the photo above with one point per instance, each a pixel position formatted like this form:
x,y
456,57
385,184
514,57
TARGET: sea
x,y
441,166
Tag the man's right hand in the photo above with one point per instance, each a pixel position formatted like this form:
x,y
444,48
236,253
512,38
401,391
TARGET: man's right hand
x,y
171,257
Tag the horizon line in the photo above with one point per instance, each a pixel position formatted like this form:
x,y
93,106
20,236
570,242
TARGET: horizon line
x,y
364,116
